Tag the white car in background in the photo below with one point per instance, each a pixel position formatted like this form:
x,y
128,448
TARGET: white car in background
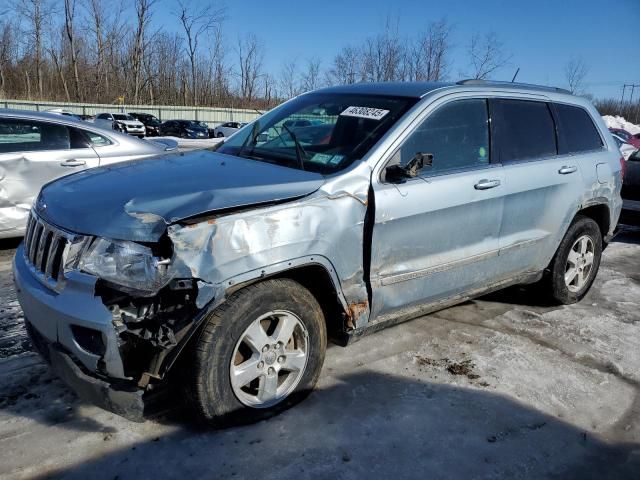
x,y
121,122
227,129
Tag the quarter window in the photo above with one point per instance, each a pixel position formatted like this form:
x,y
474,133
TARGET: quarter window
x,y
28,136
525,130
97,140
456,134
576,129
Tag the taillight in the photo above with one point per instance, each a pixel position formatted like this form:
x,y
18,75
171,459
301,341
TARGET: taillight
x,y
623,168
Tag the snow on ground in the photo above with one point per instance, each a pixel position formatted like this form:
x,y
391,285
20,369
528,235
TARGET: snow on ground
x,y
506,386
620,122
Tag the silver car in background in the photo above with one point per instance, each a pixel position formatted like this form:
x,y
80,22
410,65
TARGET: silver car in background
x,y
36,148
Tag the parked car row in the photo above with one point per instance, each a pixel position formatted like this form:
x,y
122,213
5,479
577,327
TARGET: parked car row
x,y
146,124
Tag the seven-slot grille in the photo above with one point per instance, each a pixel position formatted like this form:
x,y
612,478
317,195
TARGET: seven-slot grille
x,y
45,248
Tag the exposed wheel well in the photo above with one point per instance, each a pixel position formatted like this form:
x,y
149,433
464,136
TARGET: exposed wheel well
x,y
317,280
600,214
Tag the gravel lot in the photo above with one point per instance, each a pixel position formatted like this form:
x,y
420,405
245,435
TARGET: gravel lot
x,y
502,387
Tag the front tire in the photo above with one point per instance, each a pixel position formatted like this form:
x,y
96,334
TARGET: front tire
x,y
575,264
260,353
220,135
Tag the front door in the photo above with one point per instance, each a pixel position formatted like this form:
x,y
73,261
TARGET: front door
x,y
437,235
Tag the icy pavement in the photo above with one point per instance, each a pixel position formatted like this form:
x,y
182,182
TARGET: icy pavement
x,y
502,387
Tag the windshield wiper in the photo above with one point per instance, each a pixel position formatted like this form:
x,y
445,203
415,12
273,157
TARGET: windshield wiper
x,y
253,136
301,155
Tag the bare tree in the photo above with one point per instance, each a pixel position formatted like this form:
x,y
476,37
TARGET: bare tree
x,y
144,12
196,23
56,50
7,49
486,55
311,76
575,72
289,85
35,13
250,60
429,58
69,23
383,54
346,68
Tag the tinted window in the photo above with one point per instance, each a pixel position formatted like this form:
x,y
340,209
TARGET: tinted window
x,y
576,129
97,140
29,136
525,130
457,135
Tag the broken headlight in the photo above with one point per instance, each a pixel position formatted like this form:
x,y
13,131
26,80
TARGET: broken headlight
x,y
127,264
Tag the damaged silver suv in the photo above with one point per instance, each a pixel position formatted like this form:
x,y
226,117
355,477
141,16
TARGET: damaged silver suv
x,y
339,212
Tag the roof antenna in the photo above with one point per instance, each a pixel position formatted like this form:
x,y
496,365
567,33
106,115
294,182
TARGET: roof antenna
x,y
515,75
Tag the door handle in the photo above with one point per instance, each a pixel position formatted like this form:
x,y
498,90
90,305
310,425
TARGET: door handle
x,y
485,184
72,162
567,169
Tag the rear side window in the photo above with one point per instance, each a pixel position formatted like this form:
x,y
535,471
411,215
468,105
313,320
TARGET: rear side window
x,y
29,136
576,130
525,130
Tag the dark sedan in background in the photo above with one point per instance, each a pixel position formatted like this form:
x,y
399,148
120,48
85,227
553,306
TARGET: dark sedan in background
x,y
183,129
151,123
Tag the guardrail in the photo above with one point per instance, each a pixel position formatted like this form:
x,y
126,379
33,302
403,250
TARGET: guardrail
x,y
163,112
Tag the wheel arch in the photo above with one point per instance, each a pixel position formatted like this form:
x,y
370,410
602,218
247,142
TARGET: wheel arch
x,y
599,213
317,275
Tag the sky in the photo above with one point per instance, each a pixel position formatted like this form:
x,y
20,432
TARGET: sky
x,y
541,35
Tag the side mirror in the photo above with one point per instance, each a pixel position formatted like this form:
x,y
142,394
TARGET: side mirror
x,y
398,173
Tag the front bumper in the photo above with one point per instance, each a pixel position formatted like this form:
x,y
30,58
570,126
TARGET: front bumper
x,y
54,321
128,404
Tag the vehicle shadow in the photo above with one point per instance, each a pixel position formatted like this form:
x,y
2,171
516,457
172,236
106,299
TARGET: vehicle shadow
x,y
373,425
9,243
628,234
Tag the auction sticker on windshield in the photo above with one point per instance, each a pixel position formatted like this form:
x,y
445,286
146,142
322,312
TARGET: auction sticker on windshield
x,y
365,112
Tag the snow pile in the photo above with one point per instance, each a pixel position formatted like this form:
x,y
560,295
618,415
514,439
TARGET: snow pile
x,y
620,122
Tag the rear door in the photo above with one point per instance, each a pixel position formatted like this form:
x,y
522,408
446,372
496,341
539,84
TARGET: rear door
x,y
33,153
543,188
437,235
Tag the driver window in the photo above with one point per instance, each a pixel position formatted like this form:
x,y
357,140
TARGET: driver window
x,y
456,134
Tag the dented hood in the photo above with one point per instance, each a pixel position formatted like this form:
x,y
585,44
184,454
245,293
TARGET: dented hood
x,y
136,200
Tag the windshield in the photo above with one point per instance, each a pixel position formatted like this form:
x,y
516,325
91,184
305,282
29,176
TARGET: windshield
x,y
121,116
321,132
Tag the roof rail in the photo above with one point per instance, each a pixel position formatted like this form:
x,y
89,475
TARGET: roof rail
x,y
475,81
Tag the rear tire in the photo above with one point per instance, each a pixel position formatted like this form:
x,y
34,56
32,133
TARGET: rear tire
x,y
259,353
575,264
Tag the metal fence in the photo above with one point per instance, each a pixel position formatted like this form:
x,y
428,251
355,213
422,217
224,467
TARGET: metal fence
x,y
163,112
